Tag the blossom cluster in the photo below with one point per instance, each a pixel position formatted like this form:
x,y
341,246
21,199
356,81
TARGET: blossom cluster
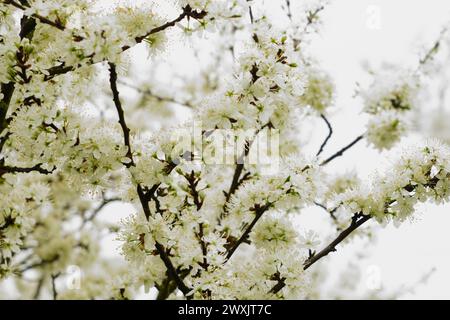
x,y
388,100
421,174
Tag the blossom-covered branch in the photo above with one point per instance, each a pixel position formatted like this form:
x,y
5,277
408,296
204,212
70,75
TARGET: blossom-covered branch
x,y
142,195
187,12
56,24
28,26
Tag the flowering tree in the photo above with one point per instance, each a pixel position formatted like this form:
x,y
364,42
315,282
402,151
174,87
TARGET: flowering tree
x,y
215,198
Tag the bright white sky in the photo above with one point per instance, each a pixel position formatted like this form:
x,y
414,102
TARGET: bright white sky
x,y
378,31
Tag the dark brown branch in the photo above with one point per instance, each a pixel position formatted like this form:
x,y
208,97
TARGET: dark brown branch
x,y
203,246
172,272
38,290
57,70
165,288
258,214
144,198
56,24
250,13
192,184
280,283
357,220
187,12
330,133
36,168
234,183
54,292
168,286
341,151
7,89
118,104
288,9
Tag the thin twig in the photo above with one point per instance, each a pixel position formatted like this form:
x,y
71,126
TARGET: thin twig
x,y
330,133
433,50
38,290
330,212
357,221
258,214
341,151
118,104
288,9
56,24
54,291
97,210
187,12
250,13
311,18
150,93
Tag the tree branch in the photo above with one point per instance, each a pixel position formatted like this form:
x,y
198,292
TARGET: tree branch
x,y
288,9
27,26
341,151
171,269
54,292
433,50
56,24
97,210
38,289
330,133
258,214
118,104
250,13
357,220
150,93
187,12
36,168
